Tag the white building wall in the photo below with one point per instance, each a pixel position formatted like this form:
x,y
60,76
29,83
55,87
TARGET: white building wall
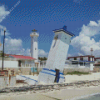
x,y
85,58
9,64
14,64
91,66
87,65
97,59
62,52
56,58
35,48
78,58
34,45
29,64
57,54
52,52
91,59
71,58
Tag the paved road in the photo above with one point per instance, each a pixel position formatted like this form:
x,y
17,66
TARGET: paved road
x,y
36,96
64,94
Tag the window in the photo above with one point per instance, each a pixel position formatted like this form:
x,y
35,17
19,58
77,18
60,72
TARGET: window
x,y
89,58
56,37
74,62
81,58
54,44
19,63
75,58
81,63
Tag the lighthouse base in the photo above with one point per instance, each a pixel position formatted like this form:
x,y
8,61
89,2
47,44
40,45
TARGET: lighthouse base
x,y
51,76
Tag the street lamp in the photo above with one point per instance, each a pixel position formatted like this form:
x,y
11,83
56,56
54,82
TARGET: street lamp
x,y
3,49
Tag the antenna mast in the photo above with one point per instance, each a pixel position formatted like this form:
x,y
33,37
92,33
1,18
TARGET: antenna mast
x,y
91,51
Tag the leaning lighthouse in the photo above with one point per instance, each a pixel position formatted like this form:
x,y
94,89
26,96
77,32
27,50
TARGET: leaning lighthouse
x,y
53,71
34,44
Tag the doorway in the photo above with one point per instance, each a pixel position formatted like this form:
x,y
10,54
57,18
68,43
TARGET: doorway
x,y
19,63
57,75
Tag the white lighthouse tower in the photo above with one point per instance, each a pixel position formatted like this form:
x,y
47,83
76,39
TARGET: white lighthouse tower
x,y
34,44
57,57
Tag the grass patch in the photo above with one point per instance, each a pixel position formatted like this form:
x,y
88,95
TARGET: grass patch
x,y
77,73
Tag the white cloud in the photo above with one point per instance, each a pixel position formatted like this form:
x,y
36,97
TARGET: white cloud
x,y
93,23
79,54
1,27
2,31
69,55
91,29
3,13
27,52
84,42
42,53
14,46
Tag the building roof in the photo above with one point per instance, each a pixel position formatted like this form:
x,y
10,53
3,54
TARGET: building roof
x,y
21,57
64,29
82,61
81,56
85,61
97,58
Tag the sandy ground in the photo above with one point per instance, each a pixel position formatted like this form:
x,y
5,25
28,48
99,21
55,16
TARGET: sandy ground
x,y
70,78
69,93
73,93
73,78
36,96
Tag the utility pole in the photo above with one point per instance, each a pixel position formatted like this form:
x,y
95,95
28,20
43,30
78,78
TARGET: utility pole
x,y
3,50
91,51
5,31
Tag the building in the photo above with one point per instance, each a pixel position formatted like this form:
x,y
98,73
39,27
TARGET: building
x,y
97,59
59,48
34,44
82,58
17,61
57,57
86,61
97,64
24,61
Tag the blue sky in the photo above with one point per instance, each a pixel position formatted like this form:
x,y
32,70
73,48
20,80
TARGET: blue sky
x,y
81,17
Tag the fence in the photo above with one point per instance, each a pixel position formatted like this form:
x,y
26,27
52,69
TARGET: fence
x,y
25,70
36,70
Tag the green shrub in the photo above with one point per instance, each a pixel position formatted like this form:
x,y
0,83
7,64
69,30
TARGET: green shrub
x,y
77,73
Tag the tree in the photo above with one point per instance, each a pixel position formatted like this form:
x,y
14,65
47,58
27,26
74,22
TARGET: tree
x,y
1,54
45,58
42,58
